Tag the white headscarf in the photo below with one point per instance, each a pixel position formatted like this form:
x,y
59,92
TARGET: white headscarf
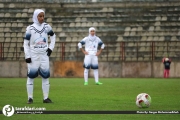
x,y
90,36
36,13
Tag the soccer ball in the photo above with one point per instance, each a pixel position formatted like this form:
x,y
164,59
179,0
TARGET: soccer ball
x,y
143,100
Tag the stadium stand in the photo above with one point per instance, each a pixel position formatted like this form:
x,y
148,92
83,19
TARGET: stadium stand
x,y
133,30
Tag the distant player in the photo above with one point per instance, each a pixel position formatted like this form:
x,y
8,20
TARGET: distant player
x,y
91,52
167,63
37,52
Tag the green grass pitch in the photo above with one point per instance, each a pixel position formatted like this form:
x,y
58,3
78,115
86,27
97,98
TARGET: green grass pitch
x,y
115,94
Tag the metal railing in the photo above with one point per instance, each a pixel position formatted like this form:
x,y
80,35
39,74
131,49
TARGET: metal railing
x,y
114,51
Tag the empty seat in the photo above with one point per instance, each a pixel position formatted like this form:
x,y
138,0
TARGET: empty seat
x,y
72,49
139,28
11,5
59,29
78,24
31,10
49,20
13,34
1,34
2,24
24,15
128,29
7,39
74,39
20,25
7,15
11,49
8,24
83,24
62,34
1,5
18,15
7,34
20,34
89,24
126,34
72,24
68,39
95,24
2,15
78,19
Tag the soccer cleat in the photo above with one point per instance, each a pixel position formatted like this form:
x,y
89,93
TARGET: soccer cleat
x,y
47,101
86,83
99,83
30,101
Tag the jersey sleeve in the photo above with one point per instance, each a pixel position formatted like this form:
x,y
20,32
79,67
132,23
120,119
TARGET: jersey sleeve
x,y
26,46
52,37
82,42
101,44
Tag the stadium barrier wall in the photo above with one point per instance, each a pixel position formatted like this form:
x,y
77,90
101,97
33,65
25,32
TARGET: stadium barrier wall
x,y
106,69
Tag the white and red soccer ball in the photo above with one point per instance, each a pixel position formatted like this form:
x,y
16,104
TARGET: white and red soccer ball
x,y
143,100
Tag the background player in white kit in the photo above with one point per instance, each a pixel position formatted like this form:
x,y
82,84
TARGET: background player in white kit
x,y
37,52
91,52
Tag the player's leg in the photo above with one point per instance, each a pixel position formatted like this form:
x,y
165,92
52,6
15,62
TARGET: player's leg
x,y
29,86
31,74
86,65
167,73
45,74
164,73
94,66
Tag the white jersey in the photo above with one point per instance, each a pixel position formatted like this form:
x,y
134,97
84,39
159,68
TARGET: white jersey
x,y
91,46
37,38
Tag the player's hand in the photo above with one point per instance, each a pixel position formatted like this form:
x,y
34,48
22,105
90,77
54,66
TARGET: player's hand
x,y
86,53
28,60
98,53
49,51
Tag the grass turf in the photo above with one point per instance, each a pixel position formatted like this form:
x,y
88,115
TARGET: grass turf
x,y
114,94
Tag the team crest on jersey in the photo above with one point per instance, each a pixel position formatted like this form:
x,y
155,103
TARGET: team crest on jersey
x,y
40,42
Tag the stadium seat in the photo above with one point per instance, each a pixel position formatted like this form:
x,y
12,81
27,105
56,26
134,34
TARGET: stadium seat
x,y
2,15
13,34
18,15
1,5
8,24
7,15
68,39
20,25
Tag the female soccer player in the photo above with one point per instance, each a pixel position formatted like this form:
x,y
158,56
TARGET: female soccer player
x,y
91,52
37,52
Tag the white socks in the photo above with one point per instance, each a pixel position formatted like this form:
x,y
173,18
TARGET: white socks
x,y
96,75
29,86
86,74
45,87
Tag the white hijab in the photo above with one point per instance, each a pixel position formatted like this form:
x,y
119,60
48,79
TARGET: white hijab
x,y
90,36
36,13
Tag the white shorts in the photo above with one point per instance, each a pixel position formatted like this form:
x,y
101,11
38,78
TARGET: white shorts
x,y
39,65
90,61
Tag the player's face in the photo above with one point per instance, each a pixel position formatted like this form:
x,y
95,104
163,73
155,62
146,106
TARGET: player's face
x,y
40,17
92,32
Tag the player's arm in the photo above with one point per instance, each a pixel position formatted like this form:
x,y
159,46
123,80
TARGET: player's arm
x,y
26,45
80,44
99,52
101,44
52,39
163,59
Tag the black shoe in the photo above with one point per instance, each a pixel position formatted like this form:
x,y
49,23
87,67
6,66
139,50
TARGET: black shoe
x,y
47,101
30,101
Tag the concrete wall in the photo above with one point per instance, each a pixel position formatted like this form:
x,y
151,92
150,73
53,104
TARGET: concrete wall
x,y
106,69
